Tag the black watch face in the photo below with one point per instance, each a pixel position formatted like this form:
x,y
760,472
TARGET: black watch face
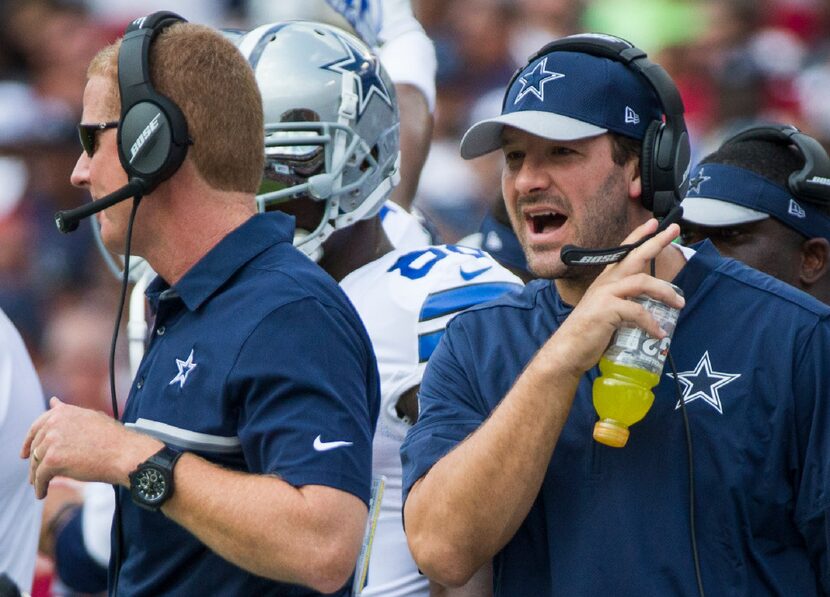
x,y
151,485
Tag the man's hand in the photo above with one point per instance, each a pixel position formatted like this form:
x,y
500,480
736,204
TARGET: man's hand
x,y
585,335
82,444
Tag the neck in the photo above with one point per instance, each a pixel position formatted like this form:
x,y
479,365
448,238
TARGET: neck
x,y
186,222
351,248
667,265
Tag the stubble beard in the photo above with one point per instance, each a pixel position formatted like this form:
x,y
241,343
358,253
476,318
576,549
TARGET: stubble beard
x,y
607,226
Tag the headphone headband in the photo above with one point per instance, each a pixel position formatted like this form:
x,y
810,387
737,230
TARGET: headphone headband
x,y
812,181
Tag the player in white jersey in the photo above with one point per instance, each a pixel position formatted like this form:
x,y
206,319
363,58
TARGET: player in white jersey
x,y
21,402
332,160
405,299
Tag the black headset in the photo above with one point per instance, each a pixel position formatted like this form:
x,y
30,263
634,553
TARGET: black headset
x,y
152,135
812,182
665,156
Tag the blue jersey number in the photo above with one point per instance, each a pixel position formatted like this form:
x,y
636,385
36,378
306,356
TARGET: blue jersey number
x,y
416,265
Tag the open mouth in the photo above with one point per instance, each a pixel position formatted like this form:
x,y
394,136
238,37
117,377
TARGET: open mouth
x,y
547,221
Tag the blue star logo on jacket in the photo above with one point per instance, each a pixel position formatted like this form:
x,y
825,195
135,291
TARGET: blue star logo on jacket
x,y
704,383
534,81
185,367
366,69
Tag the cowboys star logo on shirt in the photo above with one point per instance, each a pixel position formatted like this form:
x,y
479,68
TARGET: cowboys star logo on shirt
x,y
694,184
185,367
704,383
366,68
534,81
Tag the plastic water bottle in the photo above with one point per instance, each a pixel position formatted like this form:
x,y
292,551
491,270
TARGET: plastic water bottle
x,y
631,367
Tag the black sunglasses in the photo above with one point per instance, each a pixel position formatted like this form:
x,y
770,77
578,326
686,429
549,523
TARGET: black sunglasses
x,y
86,133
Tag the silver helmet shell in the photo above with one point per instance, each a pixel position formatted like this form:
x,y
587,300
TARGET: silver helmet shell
x,y
332,126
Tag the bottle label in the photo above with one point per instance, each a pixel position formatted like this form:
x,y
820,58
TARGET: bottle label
x,y
633,347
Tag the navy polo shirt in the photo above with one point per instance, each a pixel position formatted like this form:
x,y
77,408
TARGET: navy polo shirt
x,y
753,368
257,362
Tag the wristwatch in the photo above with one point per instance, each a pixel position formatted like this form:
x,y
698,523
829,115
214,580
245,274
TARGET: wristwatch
x,y
151,484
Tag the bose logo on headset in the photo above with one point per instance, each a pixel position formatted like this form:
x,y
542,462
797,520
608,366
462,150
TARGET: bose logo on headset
x,y
820,180
151,128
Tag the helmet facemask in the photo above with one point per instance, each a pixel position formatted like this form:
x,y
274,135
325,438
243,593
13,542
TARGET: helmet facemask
x,y
333,140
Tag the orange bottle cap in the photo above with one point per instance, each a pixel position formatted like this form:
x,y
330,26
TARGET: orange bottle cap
x,y
611,433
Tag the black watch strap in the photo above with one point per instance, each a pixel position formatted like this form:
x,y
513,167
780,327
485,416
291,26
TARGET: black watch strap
x,y
166,457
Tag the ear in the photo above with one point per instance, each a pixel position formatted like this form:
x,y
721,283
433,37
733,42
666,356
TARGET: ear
x,y
634,179
815,260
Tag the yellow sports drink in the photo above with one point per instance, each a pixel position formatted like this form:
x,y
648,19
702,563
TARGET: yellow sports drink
x,y
630,368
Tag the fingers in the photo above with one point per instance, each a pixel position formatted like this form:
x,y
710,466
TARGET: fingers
x,y
640,231
635,315
639,257
657,289
35,447
25,450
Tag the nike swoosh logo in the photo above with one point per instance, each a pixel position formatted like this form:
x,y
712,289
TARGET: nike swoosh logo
x,y
322,446
475,273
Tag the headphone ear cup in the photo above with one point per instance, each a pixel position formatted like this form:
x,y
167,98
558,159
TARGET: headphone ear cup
x,y
147,144
648,155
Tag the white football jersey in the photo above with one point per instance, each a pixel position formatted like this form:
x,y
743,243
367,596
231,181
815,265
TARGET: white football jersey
x,y
403,229
405,300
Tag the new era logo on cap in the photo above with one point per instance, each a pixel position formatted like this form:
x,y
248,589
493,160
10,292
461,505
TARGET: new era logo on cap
x,y
631,117
796,210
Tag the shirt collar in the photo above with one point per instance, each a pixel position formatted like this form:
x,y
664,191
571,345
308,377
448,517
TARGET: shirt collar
x,y
700,265
216,267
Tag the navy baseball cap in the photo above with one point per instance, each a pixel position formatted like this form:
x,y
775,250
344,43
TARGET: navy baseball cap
x,y
564,96
721,195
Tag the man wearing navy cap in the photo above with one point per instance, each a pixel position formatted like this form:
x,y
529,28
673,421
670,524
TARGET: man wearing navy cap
x,y
739,199
501,466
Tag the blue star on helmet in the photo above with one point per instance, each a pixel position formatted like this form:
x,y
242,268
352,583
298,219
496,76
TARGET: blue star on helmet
x,y
534,81
366,68
699,179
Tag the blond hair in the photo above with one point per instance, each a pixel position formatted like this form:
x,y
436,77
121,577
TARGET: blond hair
x,y
214,86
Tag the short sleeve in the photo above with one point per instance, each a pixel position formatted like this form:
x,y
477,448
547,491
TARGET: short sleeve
x,y
308,393
448,410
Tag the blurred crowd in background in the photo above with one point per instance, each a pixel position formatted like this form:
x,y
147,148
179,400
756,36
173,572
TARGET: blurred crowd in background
x,y
734,61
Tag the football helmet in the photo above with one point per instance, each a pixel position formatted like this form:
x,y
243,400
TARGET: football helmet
x,y
332,126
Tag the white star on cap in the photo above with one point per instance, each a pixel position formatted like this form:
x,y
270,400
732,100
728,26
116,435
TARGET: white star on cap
x,y
534,81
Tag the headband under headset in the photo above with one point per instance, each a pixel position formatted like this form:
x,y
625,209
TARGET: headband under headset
x,y
665,156
152,134
812,182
